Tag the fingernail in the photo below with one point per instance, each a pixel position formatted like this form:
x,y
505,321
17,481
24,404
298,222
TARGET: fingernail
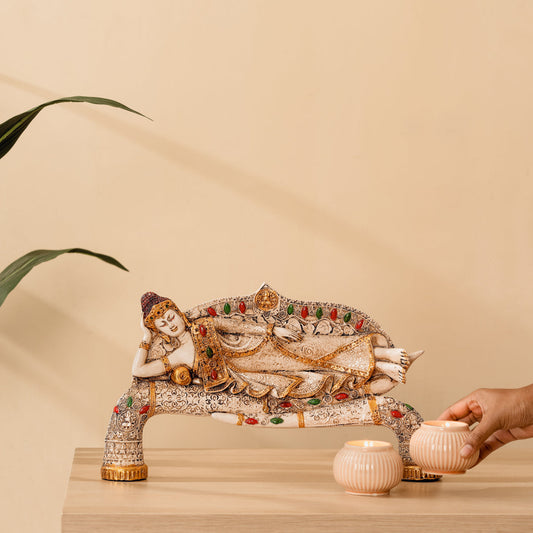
x,y
466,451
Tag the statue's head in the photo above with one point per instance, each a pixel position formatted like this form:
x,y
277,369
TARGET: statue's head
x,y
163,316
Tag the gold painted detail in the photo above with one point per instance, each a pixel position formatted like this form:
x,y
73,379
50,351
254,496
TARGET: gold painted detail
x,y
240,419
209,364
124,473
301,421
265,406
415,473
181,375
214,362
372,404
323,362
296,381
152,399
266,299
166,362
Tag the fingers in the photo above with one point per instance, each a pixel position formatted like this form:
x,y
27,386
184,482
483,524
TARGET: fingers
x,y
458,410
496,440
469,419
479,435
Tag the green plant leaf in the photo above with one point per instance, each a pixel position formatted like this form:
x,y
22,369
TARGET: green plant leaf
x,y
13,128
11,276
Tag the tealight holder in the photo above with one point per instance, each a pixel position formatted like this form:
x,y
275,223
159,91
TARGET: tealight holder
x,y
436,445
368,467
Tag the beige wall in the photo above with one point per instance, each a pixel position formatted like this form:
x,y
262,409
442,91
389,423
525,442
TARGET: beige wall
x,y
376,154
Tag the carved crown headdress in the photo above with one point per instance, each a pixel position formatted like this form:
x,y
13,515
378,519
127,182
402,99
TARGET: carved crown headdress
x,y
155,306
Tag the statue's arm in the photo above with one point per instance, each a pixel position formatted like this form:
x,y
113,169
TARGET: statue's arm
x,y
237,326
241,327
140,368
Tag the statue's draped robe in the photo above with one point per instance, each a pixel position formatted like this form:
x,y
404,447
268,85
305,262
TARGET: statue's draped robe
x,y
267,365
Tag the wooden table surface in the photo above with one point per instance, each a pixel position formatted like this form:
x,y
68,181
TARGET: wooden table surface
x,y
291,490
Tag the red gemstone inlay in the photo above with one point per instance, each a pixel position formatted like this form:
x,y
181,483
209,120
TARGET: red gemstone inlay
x,y
305,312
116,409
359,324
211,311
214,374
144,409
285,404
251,421
242,307
333,314
396,414
341,396
203,330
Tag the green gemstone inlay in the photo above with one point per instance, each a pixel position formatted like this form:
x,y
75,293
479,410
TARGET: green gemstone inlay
x,y
409,407
290,309
319,312
130,402
276,420
227,308
209,352
313,401
347,317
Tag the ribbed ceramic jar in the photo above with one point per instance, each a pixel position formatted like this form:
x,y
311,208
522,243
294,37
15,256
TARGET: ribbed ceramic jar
x,y
368,467
436,445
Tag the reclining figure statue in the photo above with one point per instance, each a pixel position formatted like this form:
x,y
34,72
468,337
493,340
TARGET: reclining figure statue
x,y
260,361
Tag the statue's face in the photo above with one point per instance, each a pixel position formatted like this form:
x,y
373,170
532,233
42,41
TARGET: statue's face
x,y
170,324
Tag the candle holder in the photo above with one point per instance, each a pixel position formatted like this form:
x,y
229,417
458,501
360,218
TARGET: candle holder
x,y
368,467
436,446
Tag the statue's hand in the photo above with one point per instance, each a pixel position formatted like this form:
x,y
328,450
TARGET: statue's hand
x,y
147,337
288,334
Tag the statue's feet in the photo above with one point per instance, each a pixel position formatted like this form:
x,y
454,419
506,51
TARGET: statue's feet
x,y
397,355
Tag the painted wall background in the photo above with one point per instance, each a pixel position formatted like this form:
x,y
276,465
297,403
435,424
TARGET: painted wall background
x,y
376,154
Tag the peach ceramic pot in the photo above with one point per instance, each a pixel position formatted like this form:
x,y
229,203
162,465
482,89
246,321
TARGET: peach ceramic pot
x,y
368,467
436,445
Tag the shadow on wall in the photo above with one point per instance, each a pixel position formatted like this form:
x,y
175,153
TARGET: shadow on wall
x,y
458,319
46,355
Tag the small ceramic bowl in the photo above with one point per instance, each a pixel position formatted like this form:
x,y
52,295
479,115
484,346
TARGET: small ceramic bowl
x,y
436,445
368,467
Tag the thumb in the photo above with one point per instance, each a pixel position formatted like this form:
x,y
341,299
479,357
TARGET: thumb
x,y
478,436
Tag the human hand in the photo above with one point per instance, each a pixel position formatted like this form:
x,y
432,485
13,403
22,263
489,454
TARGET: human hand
x,y
504,415
147,337
285,333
